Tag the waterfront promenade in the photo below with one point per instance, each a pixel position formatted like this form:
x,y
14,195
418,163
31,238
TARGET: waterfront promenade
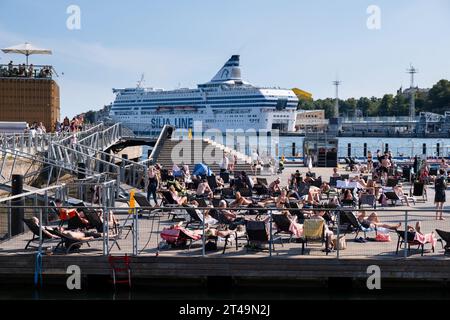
x,y
287,260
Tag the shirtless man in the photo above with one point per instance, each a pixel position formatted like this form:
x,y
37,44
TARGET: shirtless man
x,y
240,201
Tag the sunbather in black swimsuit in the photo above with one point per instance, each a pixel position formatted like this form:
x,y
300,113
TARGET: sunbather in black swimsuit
x,y
365,223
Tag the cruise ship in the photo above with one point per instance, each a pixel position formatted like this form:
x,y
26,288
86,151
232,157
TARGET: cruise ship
x,y
225,102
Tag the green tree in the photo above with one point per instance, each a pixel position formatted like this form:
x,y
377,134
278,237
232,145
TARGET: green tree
x,y
439,97
400,106
386,104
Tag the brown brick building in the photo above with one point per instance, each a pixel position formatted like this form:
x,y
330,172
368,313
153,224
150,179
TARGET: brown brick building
x,y
30,100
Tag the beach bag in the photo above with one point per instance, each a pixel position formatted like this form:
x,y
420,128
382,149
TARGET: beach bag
x,y
341,244
383,237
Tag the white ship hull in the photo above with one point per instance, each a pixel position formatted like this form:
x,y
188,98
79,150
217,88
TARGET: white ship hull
x,y
224,103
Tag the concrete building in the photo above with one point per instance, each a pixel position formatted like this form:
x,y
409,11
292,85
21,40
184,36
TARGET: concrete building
x,y
313,120
30,99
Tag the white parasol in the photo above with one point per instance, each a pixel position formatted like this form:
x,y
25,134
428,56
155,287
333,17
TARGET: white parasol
x,y
26,49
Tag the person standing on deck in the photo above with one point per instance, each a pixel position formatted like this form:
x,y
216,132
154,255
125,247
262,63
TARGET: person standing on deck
x,y
385,166
369,161
440,186
444,166
153,183
224,164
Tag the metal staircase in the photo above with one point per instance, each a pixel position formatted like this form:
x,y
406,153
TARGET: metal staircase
x,y
191,152
79,153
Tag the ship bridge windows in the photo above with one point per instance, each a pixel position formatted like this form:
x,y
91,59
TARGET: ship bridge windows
x,y
281,104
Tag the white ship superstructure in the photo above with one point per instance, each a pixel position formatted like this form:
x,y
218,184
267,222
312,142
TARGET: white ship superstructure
x,y
225,102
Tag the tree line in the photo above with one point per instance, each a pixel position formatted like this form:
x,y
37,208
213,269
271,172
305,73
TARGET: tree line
x,y
436,100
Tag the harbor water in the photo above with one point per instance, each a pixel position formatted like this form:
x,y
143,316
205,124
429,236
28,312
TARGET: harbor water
x,y
292,146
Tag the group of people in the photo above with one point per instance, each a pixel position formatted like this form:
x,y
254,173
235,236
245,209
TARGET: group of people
x,y
35,128
29,71
303,191
66,126
73,126
420,171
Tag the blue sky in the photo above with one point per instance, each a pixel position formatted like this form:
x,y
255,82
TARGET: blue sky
x,y
181,43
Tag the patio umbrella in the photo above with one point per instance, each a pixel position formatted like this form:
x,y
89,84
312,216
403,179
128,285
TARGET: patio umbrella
x,y
26,49
201,169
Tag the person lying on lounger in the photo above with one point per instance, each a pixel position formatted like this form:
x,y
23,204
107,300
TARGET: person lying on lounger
x,y
372,221
423,237
45,230
75,235
240,201
81,235
208,219
67,214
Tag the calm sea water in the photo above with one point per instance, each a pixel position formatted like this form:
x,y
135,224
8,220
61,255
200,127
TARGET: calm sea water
x,y
246,293
400,147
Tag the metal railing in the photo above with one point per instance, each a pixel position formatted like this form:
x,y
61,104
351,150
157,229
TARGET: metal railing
x,y
28,142
76,161
24,71
165,132
131,172
393,244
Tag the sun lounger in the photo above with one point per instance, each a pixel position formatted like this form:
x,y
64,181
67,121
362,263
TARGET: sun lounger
x,y
353,225
314,230
283,225
71,243
445,236
35,229
411,240
257,234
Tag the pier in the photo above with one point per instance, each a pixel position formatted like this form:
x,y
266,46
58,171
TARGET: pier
x,y
86,172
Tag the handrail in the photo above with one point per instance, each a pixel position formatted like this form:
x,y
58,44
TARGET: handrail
x,y
159,144
70,136
29,193
96,151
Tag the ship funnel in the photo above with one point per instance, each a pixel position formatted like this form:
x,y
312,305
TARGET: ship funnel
x,y
229,71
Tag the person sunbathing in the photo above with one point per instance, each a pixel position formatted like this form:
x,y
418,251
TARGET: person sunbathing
x,y
208,219
421,237
178,199
230,216
274,187
204,190
46,231
295,227
67,214
240,201
325,187
81,235
371,188
214,232
317,214
73,234
372,221
282,200
335,174
398,189
313,195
